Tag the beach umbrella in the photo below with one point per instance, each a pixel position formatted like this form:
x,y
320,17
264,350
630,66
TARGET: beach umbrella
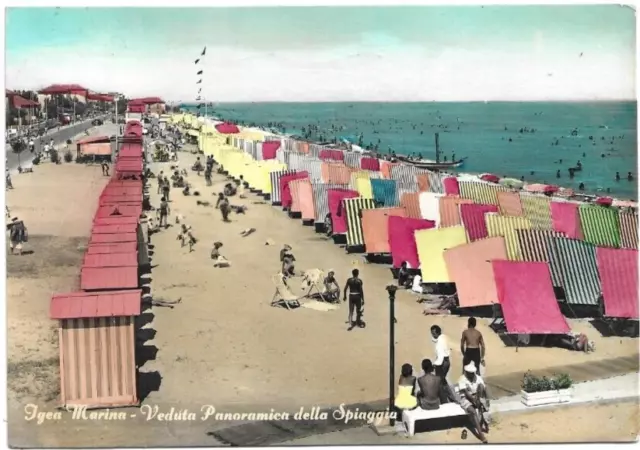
x,y
490,177
227,128
535,187
512,183
604,201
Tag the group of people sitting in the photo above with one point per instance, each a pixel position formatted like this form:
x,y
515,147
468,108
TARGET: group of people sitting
x,y
406,280
429,391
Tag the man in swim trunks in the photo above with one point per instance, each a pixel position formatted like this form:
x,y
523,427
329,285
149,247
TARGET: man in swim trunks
x,y
355,289
164,212
472,345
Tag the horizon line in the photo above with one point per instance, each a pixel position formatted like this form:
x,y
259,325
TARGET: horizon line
x,y
632,100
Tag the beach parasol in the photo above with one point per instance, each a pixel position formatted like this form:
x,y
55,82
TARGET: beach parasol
x,y
604,201
490,177
535,187
512,183
227,128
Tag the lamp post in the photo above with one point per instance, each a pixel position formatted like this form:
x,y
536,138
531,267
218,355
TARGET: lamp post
x,y
391,290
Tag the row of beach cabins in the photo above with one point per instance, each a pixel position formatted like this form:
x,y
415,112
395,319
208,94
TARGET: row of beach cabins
x,y
97,323
535,252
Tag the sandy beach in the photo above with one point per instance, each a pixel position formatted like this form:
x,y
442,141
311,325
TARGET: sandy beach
x,y
224,344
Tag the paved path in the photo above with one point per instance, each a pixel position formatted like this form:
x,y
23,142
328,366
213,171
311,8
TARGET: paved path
x,y
503,386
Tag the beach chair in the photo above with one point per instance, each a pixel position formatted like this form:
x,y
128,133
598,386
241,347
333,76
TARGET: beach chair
x,y
312,281
283,296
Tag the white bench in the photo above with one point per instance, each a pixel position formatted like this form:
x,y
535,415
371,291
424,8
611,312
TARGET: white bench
x,y
445,411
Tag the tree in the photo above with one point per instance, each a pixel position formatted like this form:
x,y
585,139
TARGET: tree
x,y
18,146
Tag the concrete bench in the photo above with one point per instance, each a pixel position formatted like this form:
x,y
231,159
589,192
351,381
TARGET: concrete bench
x,y
446,416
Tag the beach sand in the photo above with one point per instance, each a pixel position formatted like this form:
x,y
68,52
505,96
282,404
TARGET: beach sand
x,y
224,344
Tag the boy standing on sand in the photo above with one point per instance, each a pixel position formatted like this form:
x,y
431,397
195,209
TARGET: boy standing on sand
x,y
164,212
223,205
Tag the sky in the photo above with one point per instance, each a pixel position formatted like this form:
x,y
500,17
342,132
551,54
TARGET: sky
x,y
405,53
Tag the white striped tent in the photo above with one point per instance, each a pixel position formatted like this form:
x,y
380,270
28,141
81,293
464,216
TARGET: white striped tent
x,y
435,182
353,208
352,159
301,162
405,176
321,198
282,156
275,185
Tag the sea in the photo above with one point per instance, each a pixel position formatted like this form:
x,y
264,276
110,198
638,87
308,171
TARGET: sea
x,y
510,139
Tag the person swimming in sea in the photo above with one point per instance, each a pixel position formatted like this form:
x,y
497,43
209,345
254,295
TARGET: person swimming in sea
x,y
630,176
558,173
581,186
617,176
579,165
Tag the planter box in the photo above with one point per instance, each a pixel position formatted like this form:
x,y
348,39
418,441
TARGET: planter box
x,y
546,397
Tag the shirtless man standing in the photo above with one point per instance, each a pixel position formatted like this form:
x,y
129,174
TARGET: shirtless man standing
x,y
356,298
472,345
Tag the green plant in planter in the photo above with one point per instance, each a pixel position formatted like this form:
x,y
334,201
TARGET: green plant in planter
x,y
532,383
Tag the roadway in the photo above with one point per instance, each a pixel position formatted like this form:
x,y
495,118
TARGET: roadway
x,y
59,137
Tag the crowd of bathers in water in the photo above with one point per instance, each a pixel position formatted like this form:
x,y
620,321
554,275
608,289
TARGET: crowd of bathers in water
x,y
329,134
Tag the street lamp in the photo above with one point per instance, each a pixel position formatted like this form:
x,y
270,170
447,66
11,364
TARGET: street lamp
x,y
391,290
115,99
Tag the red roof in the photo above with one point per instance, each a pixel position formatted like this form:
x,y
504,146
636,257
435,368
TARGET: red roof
x,y
116,228
93,139
84,305
21,102
146,100
129,150
110,259
99,278
135,108
227,128
119,210
114,220
618,269
63,89
112,238
119,247
120,199
528,301
99,97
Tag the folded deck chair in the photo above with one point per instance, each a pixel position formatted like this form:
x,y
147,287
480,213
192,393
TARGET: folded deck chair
x,y
283,296
313,282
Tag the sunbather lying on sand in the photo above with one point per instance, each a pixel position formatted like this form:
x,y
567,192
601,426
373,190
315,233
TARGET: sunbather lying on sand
x,y
573,341
443,306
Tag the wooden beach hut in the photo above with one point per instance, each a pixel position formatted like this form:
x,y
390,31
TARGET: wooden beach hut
x,y
97,347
